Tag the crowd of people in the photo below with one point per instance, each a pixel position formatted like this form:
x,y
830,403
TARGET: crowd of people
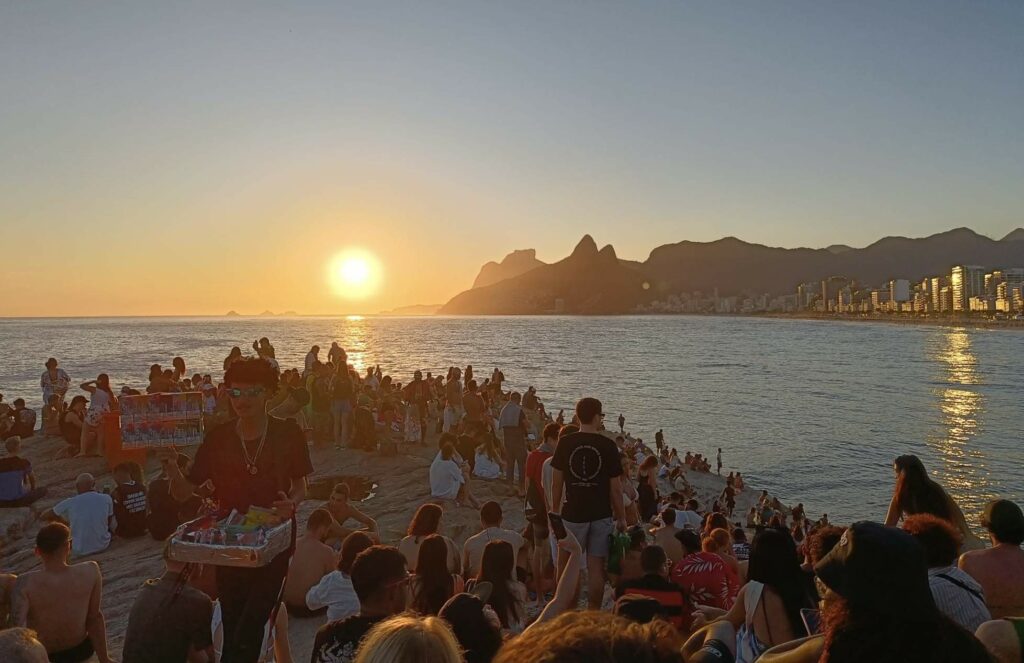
x,y
618,561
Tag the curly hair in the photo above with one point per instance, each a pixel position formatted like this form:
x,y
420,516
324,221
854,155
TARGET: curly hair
x,y
252,371
594,637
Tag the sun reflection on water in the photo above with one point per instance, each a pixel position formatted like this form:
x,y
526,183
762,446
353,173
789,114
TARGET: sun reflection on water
x,y
961,406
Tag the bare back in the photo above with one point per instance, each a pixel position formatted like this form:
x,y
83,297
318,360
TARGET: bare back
x,y
59,603
1000,572
666,538
311,562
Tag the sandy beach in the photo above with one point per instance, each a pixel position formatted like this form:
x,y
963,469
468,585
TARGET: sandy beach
x,y
401,487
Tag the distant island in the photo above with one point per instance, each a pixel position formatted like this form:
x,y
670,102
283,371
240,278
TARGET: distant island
x,y
414,310
265,314
593,281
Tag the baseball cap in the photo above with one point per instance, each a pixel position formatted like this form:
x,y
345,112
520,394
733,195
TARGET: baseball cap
x,y
1004,519
881,568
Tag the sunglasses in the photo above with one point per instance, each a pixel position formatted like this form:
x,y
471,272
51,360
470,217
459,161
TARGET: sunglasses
x,y
251,392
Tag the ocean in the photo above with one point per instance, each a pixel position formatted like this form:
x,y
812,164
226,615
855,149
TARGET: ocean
x,y
813,411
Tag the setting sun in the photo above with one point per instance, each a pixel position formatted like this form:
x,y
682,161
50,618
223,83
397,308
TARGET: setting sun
x,y
354,274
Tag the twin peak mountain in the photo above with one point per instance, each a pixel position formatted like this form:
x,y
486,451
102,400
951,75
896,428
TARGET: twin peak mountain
x,y
596,281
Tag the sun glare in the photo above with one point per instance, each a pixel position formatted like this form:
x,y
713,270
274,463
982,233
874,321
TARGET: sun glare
x,y
354,274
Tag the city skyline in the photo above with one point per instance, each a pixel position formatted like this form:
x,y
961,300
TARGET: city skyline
x,y
182,159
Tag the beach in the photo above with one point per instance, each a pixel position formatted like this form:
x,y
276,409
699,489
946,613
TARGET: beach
x,y
401,487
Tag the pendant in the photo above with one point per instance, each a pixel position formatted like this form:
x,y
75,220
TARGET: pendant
x,y
252,469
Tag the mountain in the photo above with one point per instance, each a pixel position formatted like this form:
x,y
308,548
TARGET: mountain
x,y
231,314
589,281
838,248
415,309
512,265
1016,235
592,281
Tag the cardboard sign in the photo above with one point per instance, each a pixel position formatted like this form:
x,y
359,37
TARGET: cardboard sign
x,y
161,420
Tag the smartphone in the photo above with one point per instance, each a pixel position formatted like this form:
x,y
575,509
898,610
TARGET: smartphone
x,y
557,526
812,620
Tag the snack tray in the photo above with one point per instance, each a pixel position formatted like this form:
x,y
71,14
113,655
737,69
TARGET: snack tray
x,y
278,540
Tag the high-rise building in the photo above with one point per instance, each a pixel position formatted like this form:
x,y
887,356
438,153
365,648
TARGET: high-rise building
x,y
936,291
966,281
945,299
830,288
899,290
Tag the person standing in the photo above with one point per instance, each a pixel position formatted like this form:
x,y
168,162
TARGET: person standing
x,y
453,411
342,397
257,460
587,468
512,421
622,424
336,355
659,440
61,601
54,382
719,461
312,359
102,402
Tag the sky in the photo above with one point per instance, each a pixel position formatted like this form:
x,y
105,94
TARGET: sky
x,y
199,157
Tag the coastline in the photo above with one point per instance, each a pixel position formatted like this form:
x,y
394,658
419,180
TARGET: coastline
x,y
402,486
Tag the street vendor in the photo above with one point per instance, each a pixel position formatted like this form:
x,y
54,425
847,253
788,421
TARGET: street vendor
x,y
254,460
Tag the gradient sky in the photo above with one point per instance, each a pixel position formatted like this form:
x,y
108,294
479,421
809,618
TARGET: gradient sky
x,y
206,156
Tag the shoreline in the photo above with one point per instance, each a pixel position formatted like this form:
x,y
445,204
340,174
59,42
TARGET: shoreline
x,y
402,486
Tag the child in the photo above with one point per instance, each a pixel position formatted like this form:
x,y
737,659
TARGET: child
x,y
129,500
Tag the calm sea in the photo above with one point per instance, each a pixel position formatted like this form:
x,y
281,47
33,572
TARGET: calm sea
x,y
813,411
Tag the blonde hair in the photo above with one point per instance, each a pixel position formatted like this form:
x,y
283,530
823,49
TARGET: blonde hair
x,y
410,639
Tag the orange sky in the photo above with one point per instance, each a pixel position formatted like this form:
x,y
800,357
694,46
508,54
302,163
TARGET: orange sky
x,y
181,158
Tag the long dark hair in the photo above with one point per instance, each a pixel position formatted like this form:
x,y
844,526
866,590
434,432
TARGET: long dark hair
x,y
434,583
426,520
354,543
774,562
496,567
853,635
915,490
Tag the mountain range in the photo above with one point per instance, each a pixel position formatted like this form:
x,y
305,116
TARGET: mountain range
x,y
593,281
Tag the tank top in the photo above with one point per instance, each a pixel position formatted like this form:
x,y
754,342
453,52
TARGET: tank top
x,y
748,647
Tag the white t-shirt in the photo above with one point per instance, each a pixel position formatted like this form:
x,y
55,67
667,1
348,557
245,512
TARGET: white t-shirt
x,y
334,591
445,479
485,468
89,514
546,474
474,548
689,519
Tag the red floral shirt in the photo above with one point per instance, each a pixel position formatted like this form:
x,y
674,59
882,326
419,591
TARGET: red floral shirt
x,y
706,580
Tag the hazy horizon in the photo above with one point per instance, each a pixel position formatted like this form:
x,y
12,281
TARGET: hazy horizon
x,y
193,159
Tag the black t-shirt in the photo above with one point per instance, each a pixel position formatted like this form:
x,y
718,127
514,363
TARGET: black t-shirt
x,y
162,626
588,462
163,509
338,641
130,509
284,459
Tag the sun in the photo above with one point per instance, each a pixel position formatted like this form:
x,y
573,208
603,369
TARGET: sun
x,y
354,274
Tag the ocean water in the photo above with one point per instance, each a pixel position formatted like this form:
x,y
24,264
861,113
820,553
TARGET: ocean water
x,y
814,411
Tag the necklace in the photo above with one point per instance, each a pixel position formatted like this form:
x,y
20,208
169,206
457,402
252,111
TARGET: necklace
x,y
250,463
